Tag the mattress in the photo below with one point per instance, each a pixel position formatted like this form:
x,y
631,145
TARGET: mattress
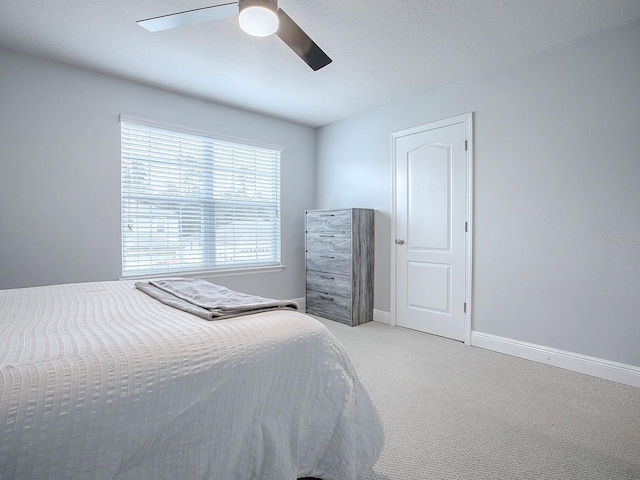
x,y
99,380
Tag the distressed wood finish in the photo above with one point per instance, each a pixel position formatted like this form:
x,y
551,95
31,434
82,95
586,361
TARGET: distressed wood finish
x,y
336,243
329,221
334,307
332,283
339,259
329,263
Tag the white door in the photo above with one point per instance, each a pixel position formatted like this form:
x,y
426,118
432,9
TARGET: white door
x,y
431,228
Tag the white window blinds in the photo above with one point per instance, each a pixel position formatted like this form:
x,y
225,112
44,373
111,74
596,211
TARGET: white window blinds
x,y
192,202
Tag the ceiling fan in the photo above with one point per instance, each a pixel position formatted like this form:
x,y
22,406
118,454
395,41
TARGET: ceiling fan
x,y
259,18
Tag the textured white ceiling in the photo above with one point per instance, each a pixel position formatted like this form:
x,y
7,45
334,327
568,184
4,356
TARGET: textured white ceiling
x,y
382,50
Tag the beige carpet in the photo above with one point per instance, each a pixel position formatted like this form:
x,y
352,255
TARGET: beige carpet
x,y
456,412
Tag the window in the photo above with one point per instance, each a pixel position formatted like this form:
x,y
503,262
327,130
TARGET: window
x,y
193,202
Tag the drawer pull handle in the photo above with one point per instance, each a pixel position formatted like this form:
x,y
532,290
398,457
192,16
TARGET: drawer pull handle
x,y
322,297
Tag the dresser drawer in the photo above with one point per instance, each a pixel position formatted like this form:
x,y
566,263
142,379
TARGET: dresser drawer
x,y
331,306
330,243
329,283
339,264
329,221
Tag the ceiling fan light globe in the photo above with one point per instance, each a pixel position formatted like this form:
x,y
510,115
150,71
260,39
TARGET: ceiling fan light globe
x,y
258,21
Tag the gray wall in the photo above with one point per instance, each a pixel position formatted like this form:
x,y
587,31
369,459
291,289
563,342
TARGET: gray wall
x,y
60,172
557,169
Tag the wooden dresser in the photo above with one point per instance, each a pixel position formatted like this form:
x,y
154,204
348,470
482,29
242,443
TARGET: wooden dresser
x,y
339,252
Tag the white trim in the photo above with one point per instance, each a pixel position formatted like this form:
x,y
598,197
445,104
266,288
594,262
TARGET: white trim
x,y
467,119
379,316
209,273
195,131
596,367
382,317
393,278
302,303
469,238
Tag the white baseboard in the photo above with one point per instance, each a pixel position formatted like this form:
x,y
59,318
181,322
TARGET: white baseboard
x,y
381,316
302,303
596,367
378,315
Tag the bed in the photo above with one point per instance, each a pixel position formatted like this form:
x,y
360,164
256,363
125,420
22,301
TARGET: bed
x,y
101,381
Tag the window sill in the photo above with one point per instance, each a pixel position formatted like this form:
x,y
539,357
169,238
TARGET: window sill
x,y
209,273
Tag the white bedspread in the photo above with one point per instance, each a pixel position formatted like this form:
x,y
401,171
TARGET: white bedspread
x,y
100,381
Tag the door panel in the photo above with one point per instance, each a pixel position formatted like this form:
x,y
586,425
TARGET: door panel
x,y
429,286
431,198
428,197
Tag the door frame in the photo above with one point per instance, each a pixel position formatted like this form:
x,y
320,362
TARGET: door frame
x,y
467,120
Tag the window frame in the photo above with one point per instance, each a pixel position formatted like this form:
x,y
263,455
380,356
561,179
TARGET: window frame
x,y
207,270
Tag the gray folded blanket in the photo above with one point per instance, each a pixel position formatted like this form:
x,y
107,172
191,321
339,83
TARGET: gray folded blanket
x,y
208,300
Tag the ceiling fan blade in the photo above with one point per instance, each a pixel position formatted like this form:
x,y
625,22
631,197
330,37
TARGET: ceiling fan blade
x,y
189,17
291,34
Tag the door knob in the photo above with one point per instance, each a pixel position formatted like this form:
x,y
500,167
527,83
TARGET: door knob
x,y
399,241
